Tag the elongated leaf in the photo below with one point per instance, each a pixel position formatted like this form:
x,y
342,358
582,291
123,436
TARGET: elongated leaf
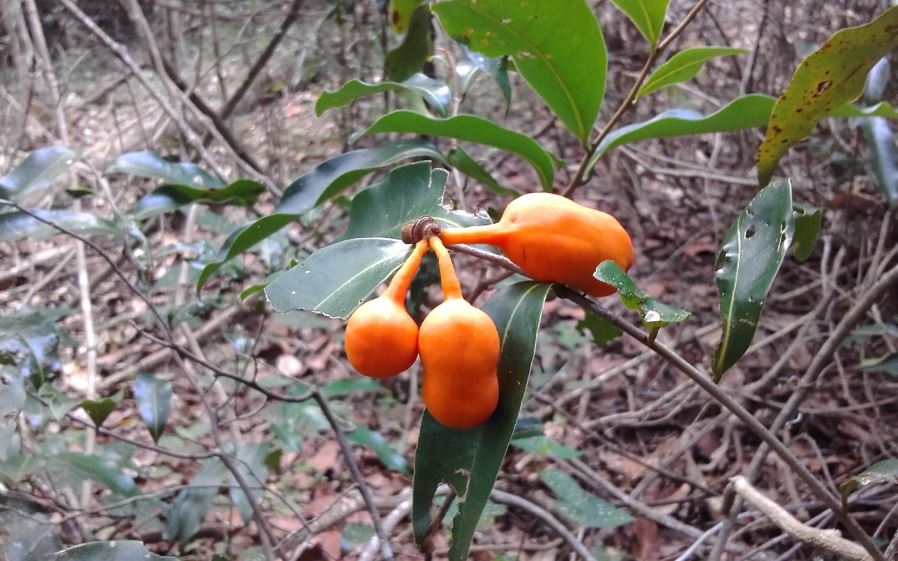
x,y
333,175
435,92
18,225
401,13
101,470
886,364
334,280
580,506
29,181
473,129
830,76
463,162
110,551
881,472
469,460
654,314
683,66
153,396
567,69
242,192
251,465
153,166
646,15
881,109
190,506
877,80
378,444
601,330
750,257
99,409
242,240
808,221
496,67
744,112
417,46
881,143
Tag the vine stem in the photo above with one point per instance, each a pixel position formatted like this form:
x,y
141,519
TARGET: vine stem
x,y
579,178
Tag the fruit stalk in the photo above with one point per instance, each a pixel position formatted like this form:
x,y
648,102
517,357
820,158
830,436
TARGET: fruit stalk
x,y
402,280
448,278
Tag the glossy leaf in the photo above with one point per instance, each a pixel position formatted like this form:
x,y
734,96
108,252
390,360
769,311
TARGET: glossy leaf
x,y
829,77
377,443
567,69
336,279
151,165
808,221
153,397
654,314
496,67
119,550
18,225
683,66
473,129
646,15
401,13
101,470
580,506
435,92
602,331
416,47
885,471
745,112
242,192
877,80
469,460
881,109
332,176
462,161
750,257
99,409
28,182
881,143
190,506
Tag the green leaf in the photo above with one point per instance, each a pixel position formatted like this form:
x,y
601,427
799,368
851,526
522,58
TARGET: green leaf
x,y
376,442
401,13
881,109
654,314
251,465
101,470
18,225
566,69
153,397
469,460
881,143
497,67
683,66
542,446
28,182
350,385
190,506
885,471
646,15
602,331
580,506
463,162
119,550
332,176
744,112
336,279
877,80
750,257
99,409
243,192
887,364
29,339
242,240
434,91
151,165
417,46
830,76
808,220
472,129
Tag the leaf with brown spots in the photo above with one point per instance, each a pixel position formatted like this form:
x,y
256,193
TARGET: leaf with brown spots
x,y
829,77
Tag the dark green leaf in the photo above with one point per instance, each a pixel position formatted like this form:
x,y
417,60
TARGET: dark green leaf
x,y
808,220
30,340
750,257
654,314
57,402
376,442
495,67
566,69
356,534
28,182
153,166
101,470
186,514
472,129
887,364
646,15
18,225
332,176
153,396
251,465
885,471
830,76
580,506
335,280
435,92
417,46
243,192
542,446
744,112
242,240
273,460
881,143
881,109
683,66
349,385
110,551
469,460
602,331
401,13
462,161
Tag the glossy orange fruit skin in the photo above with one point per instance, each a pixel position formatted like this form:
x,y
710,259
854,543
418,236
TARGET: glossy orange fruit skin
x,y
381,338
554,239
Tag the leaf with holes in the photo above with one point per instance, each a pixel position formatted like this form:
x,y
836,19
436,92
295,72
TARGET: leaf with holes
x,y
654,314
153,396
829,77
646,15
683,66
28,182
750,257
